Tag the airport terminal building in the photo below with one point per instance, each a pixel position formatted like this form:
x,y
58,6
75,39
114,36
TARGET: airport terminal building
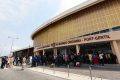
x,y
88,28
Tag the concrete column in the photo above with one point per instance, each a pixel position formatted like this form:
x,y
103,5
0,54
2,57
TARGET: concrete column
x,y
116,50
77,48
65,51
43,52
55,51
112,47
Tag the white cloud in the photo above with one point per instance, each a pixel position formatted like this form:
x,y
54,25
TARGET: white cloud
x,y
6,42
67,4
6,33
15,9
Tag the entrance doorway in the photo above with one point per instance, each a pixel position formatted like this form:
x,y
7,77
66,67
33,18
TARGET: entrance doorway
x,y
95,47
71,50
98,48
49,56
66,50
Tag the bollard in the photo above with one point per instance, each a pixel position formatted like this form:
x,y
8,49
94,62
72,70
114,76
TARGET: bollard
x,y
90,71
101,77
54,69
68,70
22,66
43,66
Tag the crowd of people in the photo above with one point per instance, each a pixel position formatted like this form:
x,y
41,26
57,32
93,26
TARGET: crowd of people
x,y
8,62
98,58
76,60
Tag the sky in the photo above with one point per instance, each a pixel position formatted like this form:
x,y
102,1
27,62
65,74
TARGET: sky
x,y
19,18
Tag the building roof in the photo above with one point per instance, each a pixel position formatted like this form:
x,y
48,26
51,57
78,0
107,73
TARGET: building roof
x,y
65,14
23,49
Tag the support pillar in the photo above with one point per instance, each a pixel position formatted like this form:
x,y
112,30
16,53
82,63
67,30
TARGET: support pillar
x,y
116,50
65,51
77,48
43,52
112,47
55,51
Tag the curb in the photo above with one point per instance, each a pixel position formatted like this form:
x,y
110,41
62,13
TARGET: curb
x,y
65,75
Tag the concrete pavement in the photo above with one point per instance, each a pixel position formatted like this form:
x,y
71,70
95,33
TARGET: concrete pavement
x,y
105,74
70,76
18,74
77,73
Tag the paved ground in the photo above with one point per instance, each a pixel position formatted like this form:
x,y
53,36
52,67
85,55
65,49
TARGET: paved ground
x,y
71,76
107,74
17,74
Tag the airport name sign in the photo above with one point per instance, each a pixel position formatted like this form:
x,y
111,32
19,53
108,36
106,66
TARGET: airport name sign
x,y
84,40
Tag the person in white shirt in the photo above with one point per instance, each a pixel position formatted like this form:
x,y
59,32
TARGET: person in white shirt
x,y
101,57
90,58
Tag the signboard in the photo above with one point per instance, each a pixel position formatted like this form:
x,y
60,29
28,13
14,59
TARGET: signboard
x,y
85,39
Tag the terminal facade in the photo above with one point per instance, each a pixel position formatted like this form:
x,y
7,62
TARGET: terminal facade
x,y
88,28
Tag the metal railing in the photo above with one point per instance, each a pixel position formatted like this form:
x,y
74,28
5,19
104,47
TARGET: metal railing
x,y
54,70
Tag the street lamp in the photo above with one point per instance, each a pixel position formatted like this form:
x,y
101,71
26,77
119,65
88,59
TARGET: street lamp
x,y
12,38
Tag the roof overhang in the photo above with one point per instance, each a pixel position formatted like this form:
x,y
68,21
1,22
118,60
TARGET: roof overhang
x,y
65,14
17,50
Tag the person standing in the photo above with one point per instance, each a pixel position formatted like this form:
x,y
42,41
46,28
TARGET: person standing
x,y
79,60
30,60
11,61
23,63
8,62
90,58
101,58
75,59
3,63
66,58
95,58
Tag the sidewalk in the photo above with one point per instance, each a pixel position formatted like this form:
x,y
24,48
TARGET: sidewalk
x,y
70,76
82,73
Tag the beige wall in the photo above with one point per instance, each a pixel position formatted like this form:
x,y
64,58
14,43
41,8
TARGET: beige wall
x,y
118,55
98,17
116,48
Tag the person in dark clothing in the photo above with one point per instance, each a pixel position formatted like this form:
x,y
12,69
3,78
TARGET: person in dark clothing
x,y
21,61
38,60
34,60
61,59
44,60
17,60
51,59
71,58
66,59
113,59
79,59
87,59
75,59
4,62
